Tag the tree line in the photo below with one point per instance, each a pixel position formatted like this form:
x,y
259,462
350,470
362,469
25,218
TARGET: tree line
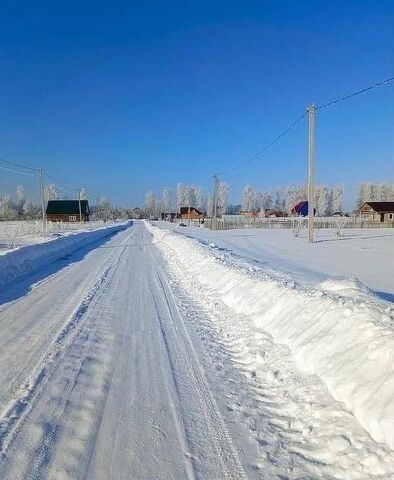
x,y
20,207
328,199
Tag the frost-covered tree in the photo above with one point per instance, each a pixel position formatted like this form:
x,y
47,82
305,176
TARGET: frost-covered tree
x,y
265,201
150,203
197,197
279,196
83,195
209,206
30,210
374,192
8,210
166,200
337,199
51,192
386,192
21,199
292,197
321,200
104,208
248,199
181,195
223,194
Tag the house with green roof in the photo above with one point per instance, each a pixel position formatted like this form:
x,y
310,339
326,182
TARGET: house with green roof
x,y
67,211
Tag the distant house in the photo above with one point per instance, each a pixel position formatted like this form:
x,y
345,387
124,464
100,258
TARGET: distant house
x,y
301,209
169,216
377,211
250,213
136,213
270,213
67,211
186,213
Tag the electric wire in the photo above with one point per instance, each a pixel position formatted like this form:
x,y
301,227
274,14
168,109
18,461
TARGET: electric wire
x,y
359,92
2,167
269,145
19,165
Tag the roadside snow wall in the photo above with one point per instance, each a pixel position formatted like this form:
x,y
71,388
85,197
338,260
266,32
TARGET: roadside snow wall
x,y
346,339
29,259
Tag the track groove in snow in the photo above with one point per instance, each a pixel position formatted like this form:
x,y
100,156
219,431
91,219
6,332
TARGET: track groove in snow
x,y
134,370
183,358
14,414
299,428
119,390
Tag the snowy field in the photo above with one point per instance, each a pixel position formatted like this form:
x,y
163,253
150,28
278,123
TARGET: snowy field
x,y
364,254
139,353
15,234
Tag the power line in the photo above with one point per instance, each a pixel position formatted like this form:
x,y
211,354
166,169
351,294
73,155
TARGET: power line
x,y
18,165
359,92
60,184
287,130
2,167
269,145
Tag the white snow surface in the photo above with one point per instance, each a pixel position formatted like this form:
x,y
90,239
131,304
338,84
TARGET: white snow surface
x,y
35,255
337,330
139,354
364,254
15,234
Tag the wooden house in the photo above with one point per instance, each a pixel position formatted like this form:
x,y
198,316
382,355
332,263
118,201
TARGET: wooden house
x,y
377,211
186,213
67,211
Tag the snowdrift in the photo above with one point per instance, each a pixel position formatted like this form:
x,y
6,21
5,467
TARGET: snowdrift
x,y
26,260
338,332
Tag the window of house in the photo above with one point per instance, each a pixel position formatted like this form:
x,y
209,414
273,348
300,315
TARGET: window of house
x,y
72,218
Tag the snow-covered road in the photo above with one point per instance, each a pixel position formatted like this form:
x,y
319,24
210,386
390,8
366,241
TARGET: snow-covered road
x,y
116,363
99,378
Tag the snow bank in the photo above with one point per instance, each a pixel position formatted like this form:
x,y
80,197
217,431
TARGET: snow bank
x,y
338,332
25,260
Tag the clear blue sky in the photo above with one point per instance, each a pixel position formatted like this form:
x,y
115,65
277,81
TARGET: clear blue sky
x,y
128,96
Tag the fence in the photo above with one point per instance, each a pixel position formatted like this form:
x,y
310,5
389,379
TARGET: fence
x,y
293,223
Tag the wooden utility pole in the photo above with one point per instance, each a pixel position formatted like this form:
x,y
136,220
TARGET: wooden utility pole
x,y
311,171
215,200
79,201
41,177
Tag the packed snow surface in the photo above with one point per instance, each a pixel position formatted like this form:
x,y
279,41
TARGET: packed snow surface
x,y
137,353
336,330
365,254
21,233
35,255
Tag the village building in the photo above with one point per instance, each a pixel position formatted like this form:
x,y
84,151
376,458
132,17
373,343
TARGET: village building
x,y
377,211
300,209
250,213
136,213
169,216
270,213
190,213
67,211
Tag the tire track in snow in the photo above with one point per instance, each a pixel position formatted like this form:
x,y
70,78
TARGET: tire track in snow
x,y
15,413
184,359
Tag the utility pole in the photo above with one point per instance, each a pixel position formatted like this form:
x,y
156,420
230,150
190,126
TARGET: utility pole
x,y
41,177
311,171
79,201
215,200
